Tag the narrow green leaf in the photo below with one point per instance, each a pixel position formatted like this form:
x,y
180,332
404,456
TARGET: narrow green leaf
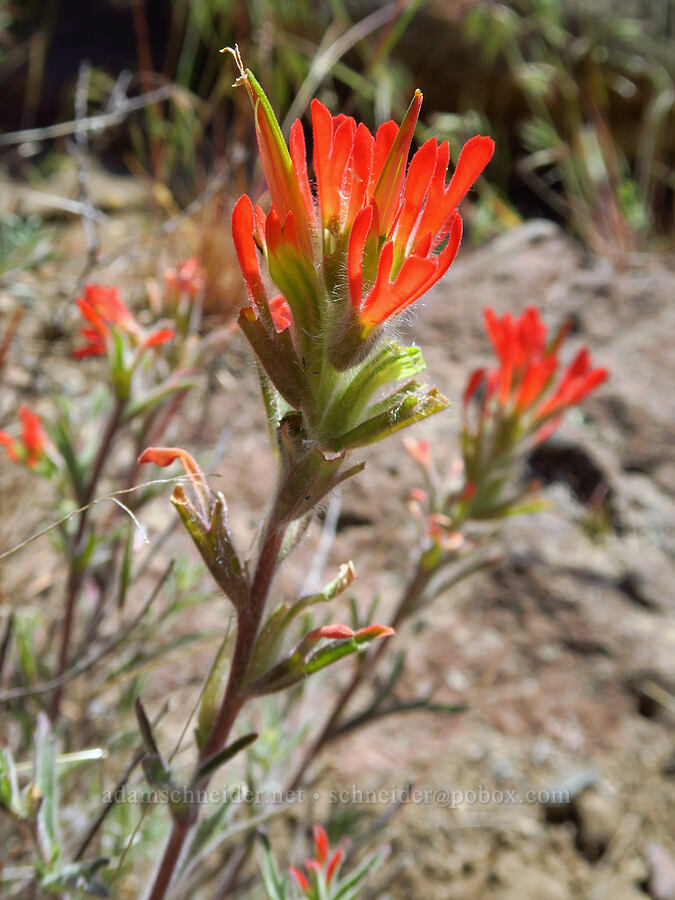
x,y
145,728
227,754
400,410
47,785
212,694
10,795
275,886
349,888
125,567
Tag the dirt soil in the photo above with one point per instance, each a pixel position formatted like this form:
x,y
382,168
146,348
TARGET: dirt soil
x,y
564,653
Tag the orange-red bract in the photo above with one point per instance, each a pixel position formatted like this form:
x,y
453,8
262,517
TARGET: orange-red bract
x,y
524,384
31,445
103,309
396,228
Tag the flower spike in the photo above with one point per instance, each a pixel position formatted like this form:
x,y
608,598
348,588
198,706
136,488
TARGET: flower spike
x,y
392,230
30,448
520,398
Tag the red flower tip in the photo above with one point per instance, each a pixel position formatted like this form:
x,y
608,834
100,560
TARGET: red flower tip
x,y
332,632
160,456
161,336
32,435
472,385
320,842
375,632
336,859
419,450
300,877
164,456
243,227
32,443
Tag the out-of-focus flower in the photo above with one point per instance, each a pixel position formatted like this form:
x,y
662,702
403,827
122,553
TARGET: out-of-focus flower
x,y
518,404
319,870
528,388
419,450
104,310
188,278
30,447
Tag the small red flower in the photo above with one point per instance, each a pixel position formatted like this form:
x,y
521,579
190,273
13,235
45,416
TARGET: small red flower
x,y
165,456
30,448
103,309
523,385
187,278
419,450
321,868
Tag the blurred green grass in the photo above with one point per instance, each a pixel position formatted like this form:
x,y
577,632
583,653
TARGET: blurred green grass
x,y
580,96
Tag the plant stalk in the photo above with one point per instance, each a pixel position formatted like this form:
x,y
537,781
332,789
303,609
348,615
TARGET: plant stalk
x,y
75,572
406,605
248,624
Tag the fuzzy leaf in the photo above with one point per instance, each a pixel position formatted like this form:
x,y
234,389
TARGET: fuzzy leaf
x,y
277,358
401,409
10,795
47,785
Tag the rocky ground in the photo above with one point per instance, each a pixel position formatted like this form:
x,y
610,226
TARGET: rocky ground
x,y
564,653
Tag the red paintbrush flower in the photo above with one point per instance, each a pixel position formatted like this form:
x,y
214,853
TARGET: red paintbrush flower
x,y
523,387
396,232
165,456
104,310
30,448
187,278
347,253
320,869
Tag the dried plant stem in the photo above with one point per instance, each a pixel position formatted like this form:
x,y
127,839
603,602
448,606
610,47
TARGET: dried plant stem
x,y
75,572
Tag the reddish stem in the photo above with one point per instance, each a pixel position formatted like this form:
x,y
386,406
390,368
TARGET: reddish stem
x,y
248,623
